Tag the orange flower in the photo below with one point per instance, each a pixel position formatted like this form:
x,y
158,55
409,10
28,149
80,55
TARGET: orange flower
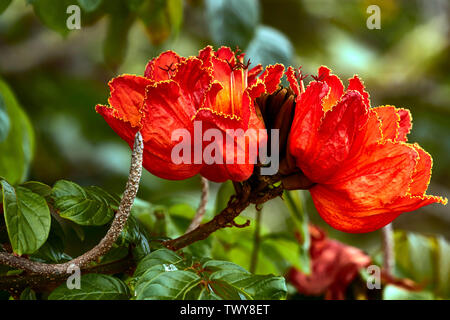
x,y
365,173
215,89
334,266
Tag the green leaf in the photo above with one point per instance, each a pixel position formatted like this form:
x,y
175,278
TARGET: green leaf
x,y
165,275
38,187
89,5
5,124
4,4
133,233
53,249
270,46
226,190
93,287
232,22
115,42
424,259
392,292
158,257
27,218
175,13
53,14
90,206
295,205
155,18
16,149
28,294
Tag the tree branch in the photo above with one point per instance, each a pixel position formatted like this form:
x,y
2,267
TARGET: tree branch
x,y
108,240
226,217
388,249
16,283
202,206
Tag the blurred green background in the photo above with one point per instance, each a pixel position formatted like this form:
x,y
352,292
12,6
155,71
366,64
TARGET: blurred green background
x,y
59,75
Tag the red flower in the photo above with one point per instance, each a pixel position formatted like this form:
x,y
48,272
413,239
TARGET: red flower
x,y
334,266
216,89
365,173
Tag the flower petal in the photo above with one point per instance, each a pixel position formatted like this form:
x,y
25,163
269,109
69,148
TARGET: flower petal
x,y
396,122
335,212
272,76
293,82
194,81
379,176
335,85
253,74
356,84
163,66
205,55
422,173
121,127
390,121
405,124
165,112
334,139
127,97
307,118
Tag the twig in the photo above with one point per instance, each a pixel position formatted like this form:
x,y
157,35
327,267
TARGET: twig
x,y
236,205
256,241
202,206
388,249
108,240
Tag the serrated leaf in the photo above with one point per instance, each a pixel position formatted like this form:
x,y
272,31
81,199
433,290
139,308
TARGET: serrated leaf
x,y
232,22
16,149
93,287
27,218
90,206
90,5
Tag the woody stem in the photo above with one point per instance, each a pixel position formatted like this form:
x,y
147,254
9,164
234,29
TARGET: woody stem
x,y
388,249
108,240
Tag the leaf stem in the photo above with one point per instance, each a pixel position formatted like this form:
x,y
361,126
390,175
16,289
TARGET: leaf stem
x,y
256,241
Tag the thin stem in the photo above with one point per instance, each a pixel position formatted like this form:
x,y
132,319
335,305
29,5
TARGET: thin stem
x,y
202,206
256,241
108,240
388,249
225,218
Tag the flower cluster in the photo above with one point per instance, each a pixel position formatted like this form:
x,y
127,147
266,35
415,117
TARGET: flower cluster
x,y
215,89
353,158
365,172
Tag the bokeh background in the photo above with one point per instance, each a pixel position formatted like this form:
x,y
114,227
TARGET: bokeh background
x,y
59,75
